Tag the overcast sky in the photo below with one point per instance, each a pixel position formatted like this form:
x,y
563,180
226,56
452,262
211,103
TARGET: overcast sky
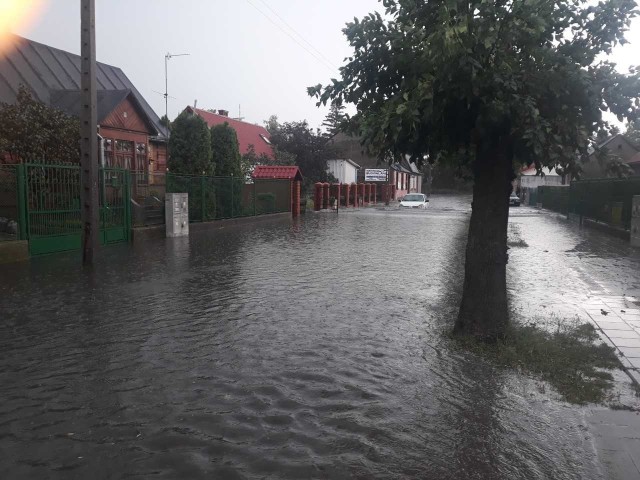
x,y
238,55
241,51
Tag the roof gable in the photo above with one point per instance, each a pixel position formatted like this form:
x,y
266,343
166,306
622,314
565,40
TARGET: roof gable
x,y
289,172
44,69
114,109
348,160
247,133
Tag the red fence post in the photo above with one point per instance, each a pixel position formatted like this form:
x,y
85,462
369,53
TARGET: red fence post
x,y
295,207
374,187
347,192
361,196
317,199
354,194
325,202
367,193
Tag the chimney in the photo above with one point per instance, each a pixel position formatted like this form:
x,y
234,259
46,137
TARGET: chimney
x,y
224,113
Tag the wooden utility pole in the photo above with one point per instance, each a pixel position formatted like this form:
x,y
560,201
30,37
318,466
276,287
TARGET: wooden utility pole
x,y
89,135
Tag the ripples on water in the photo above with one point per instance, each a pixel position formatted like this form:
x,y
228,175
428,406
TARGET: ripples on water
x,y
305,349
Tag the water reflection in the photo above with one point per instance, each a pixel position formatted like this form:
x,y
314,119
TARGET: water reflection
x,y
306,349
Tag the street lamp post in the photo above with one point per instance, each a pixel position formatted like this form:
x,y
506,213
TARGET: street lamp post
x,y
168,57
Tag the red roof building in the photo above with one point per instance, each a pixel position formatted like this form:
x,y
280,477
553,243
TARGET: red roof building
x,y
248,133
277,172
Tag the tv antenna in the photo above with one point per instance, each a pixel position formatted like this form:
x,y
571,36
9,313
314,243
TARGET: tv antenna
x,y
168,57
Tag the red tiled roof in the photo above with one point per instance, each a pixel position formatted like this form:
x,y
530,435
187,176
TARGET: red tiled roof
x,y
248,133
280,172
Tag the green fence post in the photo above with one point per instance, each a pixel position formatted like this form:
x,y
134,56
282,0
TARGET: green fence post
x,y
127,205
254,197
202,187
21,180
232,195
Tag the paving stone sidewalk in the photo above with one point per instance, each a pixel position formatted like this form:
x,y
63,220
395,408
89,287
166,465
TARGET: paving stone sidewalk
x,y
617,440
619,319
617,433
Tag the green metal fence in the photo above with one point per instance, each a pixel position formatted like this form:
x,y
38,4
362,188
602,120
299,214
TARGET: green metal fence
x,y
148,190
218,198
49,204
115,205
8,203
43,202
605,200
554,198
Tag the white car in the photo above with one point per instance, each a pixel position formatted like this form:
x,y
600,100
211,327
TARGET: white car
x,y
414,200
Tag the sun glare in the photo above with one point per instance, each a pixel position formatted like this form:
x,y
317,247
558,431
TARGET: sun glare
x,y
16,15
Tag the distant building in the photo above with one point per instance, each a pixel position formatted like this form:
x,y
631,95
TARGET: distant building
x,y
403,176
345,170
248,133
528,180
616,145
134,137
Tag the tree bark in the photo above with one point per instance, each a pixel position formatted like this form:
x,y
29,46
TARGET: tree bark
x,y
484,311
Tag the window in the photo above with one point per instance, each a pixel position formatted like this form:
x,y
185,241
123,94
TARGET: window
x,y
265,139
123,154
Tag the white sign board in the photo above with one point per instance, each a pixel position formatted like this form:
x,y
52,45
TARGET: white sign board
x,y
375,175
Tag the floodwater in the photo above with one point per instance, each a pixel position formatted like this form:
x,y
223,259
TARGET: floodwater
x,y
281,349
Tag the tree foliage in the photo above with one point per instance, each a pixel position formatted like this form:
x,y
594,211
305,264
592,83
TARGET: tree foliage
x,y
225,151
165,122
440,78
190,146
308,148
336,119
633,132
486,85
33,132
250,159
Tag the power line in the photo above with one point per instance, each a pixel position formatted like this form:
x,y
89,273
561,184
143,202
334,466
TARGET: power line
x,y
298,34
320,59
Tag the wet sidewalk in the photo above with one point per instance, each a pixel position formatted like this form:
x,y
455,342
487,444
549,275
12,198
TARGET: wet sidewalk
x,y
572,272
618,318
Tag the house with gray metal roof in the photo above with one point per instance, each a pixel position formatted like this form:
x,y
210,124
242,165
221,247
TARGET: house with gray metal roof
x,y
126,120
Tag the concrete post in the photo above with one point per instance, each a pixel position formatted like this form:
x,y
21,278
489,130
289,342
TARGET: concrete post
x,y
88,132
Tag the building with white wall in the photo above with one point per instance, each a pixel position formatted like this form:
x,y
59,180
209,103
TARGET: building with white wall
x,y
345,170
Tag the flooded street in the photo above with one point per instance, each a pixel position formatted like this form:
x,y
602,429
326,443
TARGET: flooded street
x,y
280,349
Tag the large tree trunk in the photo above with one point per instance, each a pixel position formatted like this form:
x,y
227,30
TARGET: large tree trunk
x,y
484,311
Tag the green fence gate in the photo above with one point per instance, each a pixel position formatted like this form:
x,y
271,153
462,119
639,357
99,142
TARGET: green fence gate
x,y
50,207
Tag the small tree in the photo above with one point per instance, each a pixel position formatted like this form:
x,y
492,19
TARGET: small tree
x,y
33,132
190,146
335,121
165,122
225,151
228,163
492,85
250,160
